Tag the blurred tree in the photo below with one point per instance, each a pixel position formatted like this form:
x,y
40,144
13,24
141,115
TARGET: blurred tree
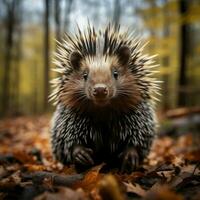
x,y
58,18
18,57
166,57
46,53
9,24
35,91
153,31
184,40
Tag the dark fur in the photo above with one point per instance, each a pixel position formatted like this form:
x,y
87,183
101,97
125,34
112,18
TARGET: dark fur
x,y
107,134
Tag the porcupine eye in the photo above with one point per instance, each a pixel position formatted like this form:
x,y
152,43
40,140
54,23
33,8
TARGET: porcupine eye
x,y
115,74
85,75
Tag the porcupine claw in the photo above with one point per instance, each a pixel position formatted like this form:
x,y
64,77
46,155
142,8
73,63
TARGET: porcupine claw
x,y
130,160
82,156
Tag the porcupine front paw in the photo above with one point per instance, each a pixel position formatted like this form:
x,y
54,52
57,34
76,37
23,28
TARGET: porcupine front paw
x,y
129,160
82,156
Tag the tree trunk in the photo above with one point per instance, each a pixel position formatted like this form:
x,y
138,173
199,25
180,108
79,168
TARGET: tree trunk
x,y
183,54
165,78
8,54
57,19
46,53
34,82
18,57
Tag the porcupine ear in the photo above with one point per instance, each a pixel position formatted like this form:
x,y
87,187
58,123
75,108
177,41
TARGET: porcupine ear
x,y
123,54
75,59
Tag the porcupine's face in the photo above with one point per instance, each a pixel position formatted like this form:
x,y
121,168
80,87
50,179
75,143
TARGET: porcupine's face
x,y
101,81
103,70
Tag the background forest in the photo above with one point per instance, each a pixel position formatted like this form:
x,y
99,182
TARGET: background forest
x,y
27,42
28,29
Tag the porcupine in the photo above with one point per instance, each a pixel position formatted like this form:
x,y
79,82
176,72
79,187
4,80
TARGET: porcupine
x,y
105,97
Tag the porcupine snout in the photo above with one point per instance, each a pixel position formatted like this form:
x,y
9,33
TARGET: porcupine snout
x,y
100,91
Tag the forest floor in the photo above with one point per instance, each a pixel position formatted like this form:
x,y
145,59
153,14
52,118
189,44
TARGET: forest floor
x,y
27,170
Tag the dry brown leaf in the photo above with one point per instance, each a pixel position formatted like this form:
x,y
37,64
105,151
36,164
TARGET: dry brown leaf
x,y
63,194
90,180
94,194
162,193
193,169
168,175
109,189
3,172
23,157
136,188
129,177
168,158
32,167
175,181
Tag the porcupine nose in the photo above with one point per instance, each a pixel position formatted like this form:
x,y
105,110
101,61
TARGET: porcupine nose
x,y
100,91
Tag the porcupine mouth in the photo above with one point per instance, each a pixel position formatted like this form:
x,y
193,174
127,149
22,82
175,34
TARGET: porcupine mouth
x,y
101,102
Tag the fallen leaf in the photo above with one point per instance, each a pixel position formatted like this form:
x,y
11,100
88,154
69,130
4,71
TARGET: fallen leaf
x,y
63,194
32,167
162,193
109,188
136,188
90,179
